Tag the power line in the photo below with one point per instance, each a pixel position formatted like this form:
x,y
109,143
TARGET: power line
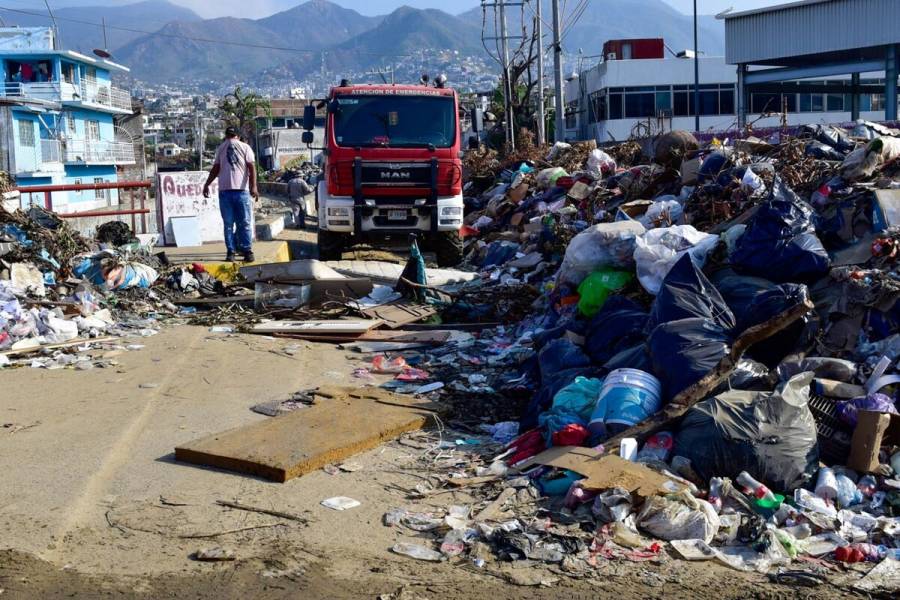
x,y
196,39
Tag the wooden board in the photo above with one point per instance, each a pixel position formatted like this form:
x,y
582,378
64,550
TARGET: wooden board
x,y
349,326
421,337
296,270
69,344
398,314
348,422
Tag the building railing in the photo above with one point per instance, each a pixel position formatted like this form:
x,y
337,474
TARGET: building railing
x,y
51,151
95,92
99,151
90,91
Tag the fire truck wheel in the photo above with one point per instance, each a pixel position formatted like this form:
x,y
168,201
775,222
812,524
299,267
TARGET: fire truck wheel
x,y
331,245
448,247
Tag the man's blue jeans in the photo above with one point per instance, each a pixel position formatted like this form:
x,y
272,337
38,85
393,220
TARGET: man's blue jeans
x,y
235,206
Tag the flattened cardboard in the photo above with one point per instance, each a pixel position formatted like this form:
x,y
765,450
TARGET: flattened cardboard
x,y
605,471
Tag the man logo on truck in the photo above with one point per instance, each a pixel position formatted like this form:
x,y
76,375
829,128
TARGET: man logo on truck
x,y
396,175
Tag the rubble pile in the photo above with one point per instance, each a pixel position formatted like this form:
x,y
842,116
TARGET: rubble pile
x,y
691,357
68,301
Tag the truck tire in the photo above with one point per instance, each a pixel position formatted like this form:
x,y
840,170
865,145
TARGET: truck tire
x,y
331,245
448,247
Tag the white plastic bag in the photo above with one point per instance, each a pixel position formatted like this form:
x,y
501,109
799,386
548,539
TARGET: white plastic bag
x,y
658,250
599,163
663,210
603,245
557,149
679,517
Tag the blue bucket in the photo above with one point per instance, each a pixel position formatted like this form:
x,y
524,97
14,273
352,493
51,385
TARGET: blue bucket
x,y
628,396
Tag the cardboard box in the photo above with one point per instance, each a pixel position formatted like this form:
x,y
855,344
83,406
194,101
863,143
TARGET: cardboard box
x,y
873,430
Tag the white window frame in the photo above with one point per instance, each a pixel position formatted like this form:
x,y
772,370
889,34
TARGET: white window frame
x,y
99,194
92,130
26,141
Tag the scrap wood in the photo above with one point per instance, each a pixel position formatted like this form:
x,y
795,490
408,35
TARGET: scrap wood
x,y
397,314
69,344
701,390
337,326
265,511
215,300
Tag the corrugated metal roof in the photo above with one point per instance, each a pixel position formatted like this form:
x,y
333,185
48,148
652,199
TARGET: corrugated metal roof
x,y
810,27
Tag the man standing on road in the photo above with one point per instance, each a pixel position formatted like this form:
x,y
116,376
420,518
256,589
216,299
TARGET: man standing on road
x,y
298,190
235,167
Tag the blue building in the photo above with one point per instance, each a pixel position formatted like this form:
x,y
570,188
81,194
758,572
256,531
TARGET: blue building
x,y
56,119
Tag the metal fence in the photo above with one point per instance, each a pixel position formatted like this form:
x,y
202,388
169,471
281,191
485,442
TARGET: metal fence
x,y
137,193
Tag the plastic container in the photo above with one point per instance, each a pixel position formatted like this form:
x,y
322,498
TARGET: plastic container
x,y
826,484
755,488
895,463
658,447
847,494
628,396
628,449
867,486
715,493
800,532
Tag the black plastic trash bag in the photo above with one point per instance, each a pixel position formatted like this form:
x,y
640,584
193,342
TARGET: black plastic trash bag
x,y
686,293
755,301
780,242
817,149
618,325
559,355
748,375
636,357
771,435
684,351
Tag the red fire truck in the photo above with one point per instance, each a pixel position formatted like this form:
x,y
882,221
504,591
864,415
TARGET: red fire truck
x,y
392,167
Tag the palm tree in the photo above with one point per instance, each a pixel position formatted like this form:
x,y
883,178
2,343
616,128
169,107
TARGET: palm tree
x,y
240,109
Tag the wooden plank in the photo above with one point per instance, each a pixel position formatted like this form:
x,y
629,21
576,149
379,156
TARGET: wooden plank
x,y
281,448
216,300
69,344
347,326
398,314
422,337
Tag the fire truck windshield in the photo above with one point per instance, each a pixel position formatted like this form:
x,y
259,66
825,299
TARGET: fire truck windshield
x,y
395,121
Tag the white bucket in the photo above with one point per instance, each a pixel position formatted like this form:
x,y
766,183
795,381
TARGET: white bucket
x,y
628,396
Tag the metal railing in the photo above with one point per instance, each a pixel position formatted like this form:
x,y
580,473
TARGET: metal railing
x,y
95,92
51,151
90,91
99,151
137,194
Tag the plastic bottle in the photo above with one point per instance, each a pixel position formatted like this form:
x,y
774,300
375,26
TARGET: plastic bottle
x,y
847,494
800,532
715,493
755,488
895,463
826,484
867,486
658,447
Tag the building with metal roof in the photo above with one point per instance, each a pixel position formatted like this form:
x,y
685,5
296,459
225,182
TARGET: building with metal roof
x,y
815,39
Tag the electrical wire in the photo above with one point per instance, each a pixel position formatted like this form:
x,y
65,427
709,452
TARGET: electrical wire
x,y
197,39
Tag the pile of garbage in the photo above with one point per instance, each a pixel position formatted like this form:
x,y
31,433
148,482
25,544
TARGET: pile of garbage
x,y
292,170
66,301
705,354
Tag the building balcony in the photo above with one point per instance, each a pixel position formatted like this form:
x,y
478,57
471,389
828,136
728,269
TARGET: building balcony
x,y
51,151
98,152
89,94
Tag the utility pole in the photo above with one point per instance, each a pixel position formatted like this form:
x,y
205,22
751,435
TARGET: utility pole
x,y
558,73
542,116
507,84
696,75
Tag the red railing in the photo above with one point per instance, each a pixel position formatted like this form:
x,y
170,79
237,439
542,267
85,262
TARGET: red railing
x,y
137,198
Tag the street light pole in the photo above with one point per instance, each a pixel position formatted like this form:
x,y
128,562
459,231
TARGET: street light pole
x,y
696,75
558,73
542,118
507,84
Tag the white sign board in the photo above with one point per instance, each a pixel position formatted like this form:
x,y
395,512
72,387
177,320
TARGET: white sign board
x,y
181,195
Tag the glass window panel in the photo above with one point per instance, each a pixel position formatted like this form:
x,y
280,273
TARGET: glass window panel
x,y
663,101
639,105
615,106
726,102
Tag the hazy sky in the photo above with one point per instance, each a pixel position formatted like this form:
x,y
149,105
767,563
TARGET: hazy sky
x,y
262,8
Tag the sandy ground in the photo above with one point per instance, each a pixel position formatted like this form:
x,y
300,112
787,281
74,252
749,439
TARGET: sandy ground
x,y
92,503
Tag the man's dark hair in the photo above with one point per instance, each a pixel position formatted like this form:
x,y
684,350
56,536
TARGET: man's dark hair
x,y
231,132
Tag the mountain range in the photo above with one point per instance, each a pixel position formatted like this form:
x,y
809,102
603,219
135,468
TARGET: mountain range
x,y
163,42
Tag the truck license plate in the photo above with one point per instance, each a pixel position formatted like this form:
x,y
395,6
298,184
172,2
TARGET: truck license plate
x,y
396,215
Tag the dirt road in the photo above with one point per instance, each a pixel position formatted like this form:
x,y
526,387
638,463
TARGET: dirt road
x,y
93,505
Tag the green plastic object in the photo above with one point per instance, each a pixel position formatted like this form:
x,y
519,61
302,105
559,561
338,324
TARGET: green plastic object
x,y
595,289
767,508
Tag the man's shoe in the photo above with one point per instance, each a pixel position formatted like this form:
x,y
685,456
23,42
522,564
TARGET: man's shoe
x,y
248,256
229,257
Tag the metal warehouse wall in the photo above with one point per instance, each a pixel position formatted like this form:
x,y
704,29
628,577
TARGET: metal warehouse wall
x,y
811,27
